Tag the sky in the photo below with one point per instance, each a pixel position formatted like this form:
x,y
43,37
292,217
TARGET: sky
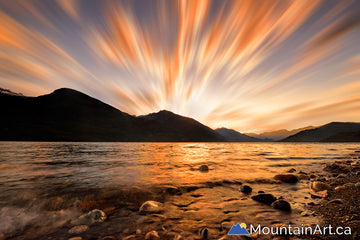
x,y
250,65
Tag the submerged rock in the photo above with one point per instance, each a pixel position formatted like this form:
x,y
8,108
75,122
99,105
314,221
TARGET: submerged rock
x,y
264,198
151,207
152,235
246,189
281,205
94,216
317,186
287,178
204,168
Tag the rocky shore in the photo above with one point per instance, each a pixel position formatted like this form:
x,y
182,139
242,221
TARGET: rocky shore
x,y
208,210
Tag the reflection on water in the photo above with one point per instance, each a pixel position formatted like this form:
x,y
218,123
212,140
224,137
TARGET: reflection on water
x,y
51,180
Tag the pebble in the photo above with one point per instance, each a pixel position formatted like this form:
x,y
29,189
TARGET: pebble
x,y
357,185
319,186
264,198
341,176
138,231
287,178
349,185
151,207
78,229
75,238
261,191
246,189
291,170
281,205
204,168
152,235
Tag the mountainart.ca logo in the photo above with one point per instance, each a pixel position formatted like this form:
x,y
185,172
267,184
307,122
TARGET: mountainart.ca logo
x,y
238,229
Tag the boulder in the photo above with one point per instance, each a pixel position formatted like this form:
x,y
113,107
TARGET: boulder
x,y
287,178
264,198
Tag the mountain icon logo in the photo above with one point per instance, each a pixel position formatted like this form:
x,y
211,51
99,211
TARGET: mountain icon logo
x,y
238,229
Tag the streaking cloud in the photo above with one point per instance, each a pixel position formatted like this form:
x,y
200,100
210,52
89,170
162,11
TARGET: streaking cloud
x,y
248,65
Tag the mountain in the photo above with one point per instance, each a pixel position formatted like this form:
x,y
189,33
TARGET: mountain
x,y
69,115
331,132
233,136
278,134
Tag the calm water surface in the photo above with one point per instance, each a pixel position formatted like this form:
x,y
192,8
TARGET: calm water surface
x,y
49,180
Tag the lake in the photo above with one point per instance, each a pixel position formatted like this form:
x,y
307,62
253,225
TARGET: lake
x,y
44,185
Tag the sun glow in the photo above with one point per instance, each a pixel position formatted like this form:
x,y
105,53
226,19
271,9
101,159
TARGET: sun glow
x,y
248,65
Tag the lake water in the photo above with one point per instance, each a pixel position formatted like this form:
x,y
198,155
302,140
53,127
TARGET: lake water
x,y
44,185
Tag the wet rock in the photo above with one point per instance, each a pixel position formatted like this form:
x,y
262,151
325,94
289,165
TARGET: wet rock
x,y
281,205
129,237
172,190
94,216
317,186
246,189
337,201
225,226
151,207
357,185
75,238
138,231
264,198
152,235
336,168
109,238
305,214
340,188
287,178
312,176
78,229
302,176
261,191
320,194
204,233
341,176
291,170
204,168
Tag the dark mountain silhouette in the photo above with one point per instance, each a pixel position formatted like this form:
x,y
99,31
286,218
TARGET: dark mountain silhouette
x,y
331,132
69,115
234,136
278,134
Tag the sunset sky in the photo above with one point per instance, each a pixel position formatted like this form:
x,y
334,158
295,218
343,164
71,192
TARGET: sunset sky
x,y
249,65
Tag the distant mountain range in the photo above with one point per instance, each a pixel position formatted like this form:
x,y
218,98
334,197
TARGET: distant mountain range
x,y
234,136
69,115
331,132
278,134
